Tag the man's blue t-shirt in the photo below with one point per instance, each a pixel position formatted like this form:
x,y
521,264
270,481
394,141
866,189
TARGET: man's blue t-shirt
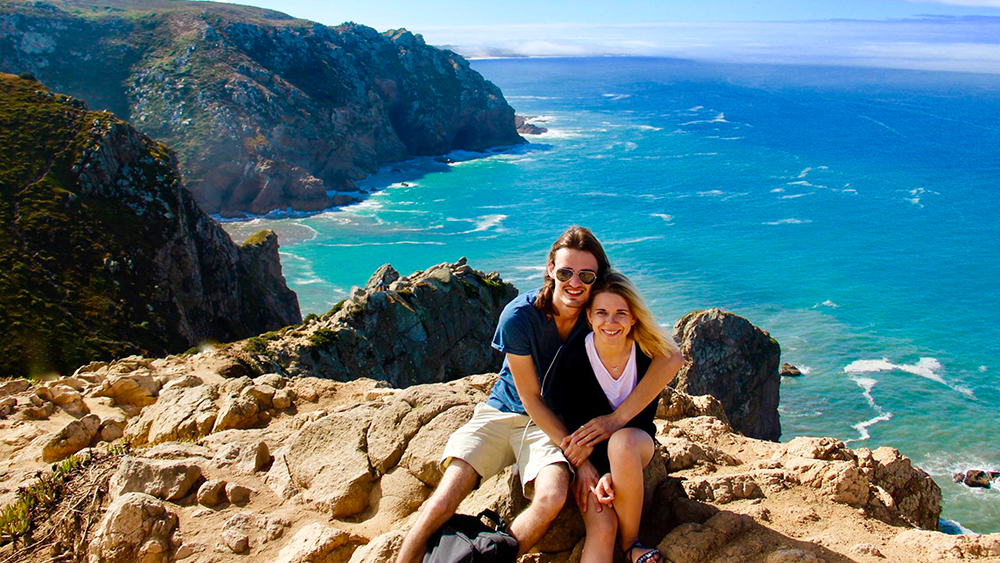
x,y
523,330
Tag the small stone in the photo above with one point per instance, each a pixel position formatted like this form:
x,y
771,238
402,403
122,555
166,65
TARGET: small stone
x,y
866,549
237,494
282,399
212,493
977,478
236,541
788,370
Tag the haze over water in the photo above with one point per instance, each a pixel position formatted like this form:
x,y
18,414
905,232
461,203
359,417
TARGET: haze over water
x,y
851,213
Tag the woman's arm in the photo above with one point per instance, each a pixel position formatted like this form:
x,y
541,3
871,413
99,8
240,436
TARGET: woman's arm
x,y
661,371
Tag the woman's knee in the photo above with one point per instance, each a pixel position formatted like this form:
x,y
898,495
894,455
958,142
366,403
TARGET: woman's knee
x,y
629,441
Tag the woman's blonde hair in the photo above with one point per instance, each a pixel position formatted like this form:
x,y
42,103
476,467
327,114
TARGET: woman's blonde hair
x,y
645,332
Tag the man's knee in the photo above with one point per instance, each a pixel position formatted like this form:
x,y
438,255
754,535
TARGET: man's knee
x,y
551,488
457,482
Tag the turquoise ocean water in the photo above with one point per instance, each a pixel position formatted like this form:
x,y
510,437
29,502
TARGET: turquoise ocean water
x,y
852,213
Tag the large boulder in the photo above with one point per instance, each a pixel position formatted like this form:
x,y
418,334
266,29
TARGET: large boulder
x,y
72,438
182,413
319,543
167,480
735,362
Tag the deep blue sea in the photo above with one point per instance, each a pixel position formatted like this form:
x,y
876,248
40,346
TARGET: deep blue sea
x,y
853,213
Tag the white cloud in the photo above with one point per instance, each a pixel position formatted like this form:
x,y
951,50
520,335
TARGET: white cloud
x,y
960,44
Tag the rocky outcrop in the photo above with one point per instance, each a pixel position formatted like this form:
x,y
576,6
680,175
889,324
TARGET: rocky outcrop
x,y
105,253
265,111
525,127
433,325
734,361
137,527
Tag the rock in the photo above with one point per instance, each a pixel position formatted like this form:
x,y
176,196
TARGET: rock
x,y
14,387
136,527
697,542
232,369
788,370
135,390
279,478
675,405
166,480
789,555
7,406
916,496
245,458
236,541
185,413
212,493
723,489
183,381
935,546
112,428
72,438
236,412
433,326
977,478
327,460
237,494
735,362
423,454
318,542
382,548
525,128
282,399
866,549
380,280
263,394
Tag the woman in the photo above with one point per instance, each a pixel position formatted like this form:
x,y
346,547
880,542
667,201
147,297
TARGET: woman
x,y
606,394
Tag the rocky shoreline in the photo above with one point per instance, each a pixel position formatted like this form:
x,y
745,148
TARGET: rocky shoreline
x,y
232,457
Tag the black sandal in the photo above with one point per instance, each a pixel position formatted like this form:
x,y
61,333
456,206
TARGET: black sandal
x,y
645,557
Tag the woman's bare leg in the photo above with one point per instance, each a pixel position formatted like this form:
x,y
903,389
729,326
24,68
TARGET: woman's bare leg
x,y
629,450
601,531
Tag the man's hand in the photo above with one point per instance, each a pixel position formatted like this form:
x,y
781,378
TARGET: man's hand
x,y
575,453
597,430
586,481
605,490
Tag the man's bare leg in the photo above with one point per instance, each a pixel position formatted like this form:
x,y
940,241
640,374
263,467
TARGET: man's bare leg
x,y
551,486
458,481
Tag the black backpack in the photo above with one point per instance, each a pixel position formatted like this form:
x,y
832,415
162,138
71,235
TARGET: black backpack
x,y
467,539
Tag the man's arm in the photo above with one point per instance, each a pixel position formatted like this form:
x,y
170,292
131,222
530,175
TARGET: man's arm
x,y
659,374
530,392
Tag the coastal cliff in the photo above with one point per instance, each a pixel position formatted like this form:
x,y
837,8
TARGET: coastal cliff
x,y
103,253
264,111
230,465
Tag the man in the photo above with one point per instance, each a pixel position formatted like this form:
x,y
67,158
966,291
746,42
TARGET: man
x,y
531,330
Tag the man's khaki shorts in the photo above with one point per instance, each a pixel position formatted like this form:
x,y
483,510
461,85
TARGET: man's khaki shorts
x,y
494,439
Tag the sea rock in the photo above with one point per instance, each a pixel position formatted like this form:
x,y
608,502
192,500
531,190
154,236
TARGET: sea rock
x,y
977,478
136,527
72,438
434,325
526,128
734,361
319,542
166,480
788,370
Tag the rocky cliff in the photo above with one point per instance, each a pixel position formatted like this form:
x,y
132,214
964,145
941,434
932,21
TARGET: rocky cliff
x,y
103,253
265,111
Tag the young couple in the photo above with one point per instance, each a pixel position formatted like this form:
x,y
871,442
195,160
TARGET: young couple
x,y
596,417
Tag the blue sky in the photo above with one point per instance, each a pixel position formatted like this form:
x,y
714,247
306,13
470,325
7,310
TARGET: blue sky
x,y
953,35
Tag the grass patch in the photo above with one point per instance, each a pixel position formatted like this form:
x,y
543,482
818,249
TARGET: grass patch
x,y
323,338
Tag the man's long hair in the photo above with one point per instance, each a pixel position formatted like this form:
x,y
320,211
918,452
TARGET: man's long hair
x,y
574,238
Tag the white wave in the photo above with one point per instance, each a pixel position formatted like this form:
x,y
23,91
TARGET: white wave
x,y
634,240
827,303
723,138
809,169
696,108
650,128
531,97
666,218
925,367
982,369
805,183
916,195
649,197
862,427
484,223
616,97
392,243
712,193
790,221
560,134
630,146
867,384
877,122
805,370
777,190
793,196
849,191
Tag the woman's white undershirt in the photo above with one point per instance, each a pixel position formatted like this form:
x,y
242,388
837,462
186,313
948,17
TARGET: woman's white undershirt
x,y
616,390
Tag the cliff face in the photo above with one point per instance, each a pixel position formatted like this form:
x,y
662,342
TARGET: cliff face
x,y
265,111
103,253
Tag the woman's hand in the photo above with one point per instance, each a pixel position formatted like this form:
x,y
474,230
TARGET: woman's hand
x,y
605,490
586,481
575,453
597,430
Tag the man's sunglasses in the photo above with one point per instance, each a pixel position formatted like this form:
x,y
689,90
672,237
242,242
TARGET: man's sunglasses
x,y
587,277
